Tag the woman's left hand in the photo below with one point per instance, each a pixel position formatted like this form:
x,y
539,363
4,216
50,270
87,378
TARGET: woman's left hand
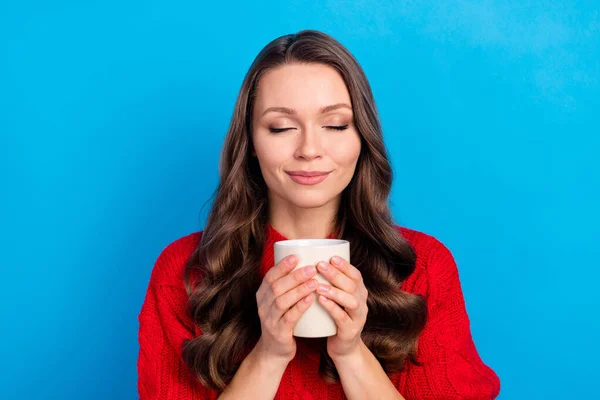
x,y
346,301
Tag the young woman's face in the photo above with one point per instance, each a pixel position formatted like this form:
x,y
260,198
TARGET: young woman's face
x,y
304,135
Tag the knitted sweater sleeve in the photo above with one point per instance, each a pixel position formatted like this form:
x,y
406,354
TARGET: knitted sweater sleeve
x,y
451,366
164,326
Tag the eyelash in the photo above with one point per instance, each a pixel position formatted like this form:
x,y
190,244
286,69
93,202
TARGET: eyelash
x,y
333,127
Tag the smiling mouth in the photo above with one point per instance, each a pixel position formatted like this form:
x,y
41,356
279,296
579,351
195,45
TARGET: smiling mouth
x,y
308,177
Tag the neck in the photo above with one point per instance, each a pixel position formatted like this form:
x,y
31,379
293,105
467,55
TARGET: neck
x,y
302,223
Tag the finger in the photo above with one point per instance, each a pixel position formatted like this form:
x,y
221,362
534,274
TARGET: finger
x,y
348,269
291,317
340,316
282,268
336,277
292,280
350,303
283,303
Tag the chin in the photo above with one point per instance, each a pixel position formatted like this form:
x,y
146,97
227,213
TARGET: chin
x,y
311,200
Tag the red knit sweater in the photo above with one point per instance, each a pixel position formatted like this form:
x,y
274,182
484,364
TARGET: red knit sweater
x,y
451,367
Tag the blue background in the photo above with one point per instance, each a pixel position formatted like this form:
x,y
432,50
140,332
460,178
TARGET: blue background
x,y
112,115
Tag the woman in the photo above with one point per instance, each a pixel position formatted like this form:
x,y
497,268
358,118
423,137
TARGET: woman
x,y
304,158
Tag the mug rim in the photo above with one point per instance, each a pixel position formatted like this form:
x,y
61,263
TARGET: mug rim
x,y
311,243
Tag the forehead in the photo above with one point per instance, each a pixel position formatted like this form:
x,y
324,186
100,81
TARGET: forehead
x,y
304,87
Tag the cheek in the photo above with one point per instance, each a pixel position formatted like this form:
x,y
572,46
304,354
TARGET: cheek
x,y
269,159
261,150
346,152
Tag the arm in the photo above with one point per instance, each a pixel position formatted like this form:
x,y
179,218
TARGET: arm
x,y
257,378
451,366
363,378
164,327
162,374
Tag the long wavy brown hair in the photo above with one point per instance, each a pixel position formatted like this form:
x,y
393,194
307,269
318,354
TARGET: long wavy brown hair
x,y
222,300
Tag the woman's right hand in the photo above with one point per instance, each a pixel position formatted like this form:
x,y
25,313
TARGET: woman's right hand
x,y
282,298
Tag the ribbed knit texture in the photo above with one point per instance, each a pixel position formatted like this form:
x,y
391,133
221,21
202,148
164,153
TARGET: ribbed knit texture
x,y
451,367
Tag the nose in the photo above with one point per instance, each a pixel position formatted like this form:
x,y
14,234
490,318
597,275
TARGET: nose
x,y
309,146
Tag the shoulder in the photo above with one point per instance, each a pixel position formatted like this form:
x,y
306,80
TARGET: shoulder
x,y
172,260
434,264
426,247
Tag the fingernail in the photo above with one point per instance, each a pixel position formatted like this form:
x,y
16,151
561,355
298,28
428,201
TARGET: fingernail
x,y
291,260
324,299
336,260
312,284
308,271
323,267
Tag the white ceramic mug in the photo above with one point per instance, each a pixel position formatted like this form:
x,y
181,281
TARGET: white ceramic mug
x,y
316,321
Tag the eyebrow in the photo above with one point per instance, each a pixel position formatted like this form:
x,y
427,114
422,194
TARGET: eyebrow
x,y
322,110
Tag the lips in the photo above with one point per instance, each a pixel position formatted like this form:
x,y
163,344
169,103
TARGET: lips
x,y
308,177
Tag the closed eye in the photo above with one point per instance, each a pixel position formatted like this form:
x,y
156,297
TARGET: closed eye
x,y
337,127
279,130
